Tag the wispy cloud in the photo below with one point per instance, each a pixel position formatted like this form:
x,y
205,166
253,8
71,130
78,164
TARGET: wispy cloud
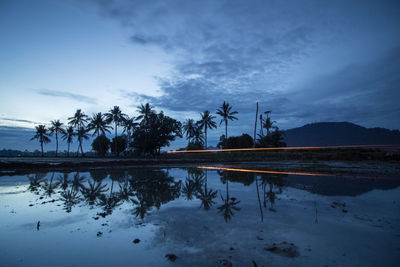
x,y
76,97
18,120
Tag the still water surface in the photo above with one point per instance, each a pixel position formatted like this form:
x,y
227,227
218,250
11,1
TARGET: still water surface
x,y
203,217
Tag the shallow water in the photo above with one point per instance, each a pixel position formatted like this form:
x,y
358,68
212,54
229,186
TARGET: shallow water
x,y
204,217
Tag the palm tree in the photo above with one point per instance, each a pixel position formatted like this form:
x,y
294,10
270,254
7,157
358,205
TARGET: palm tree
x,y
115,115
79,119
42,136
145,112
129,125
68,135
98,124
189,127
206,122
268,124
225,112
56,127
81,134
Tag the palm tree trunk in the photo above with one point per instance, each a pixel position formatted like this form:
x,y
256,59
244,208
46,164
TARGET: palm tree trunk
x,y
255,128
226,129
116,139
80,144
68,148
41,145
205,130
56,143
259,201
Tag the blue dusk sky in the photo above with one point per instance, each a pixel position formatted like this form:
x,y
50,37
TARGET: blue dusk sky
x,y
307,61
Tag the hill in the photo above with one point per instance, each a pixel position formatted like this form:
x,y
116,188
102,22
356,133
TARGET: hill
x,y
339,133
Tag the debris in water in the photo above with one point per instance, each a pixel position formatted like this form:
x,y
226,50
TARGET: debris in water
x,y
38,225
225,262
99,234
284,249
137,240
171,257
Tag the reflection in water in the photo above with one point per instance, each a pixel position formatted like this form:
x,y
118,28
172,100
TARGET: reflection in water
x,y
207,195
229,203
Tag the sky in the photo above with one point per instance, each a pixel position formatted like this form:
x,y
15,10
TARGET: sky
x,y
306,61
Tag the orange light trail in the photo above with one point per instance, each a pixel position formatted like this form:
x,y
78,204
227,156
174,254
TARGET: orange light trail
x,y
277,148
262,171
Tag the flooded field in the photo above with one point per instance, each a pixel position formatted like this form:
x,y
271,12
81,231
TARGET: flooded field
x,y
198,217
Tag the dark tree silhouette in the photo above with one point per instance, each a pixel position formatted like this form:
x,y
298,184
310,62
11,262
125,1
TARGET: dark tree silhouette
x,y
56,127
98,124
42,136
101,145
115,115
145,112
68,136
129,125
81,135
225,112
206,122
189,127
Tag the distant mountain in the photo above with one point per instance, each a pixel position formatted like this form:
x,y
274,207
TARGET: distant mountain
x,y
339,133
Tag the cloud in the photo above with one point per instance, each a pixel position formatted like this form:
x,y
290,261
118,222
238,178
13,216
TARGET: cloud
x,y
76,97
18,120
271,52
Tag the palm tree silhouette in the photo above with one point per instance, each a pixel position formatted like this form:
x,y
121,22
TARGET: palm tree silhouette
x,y
189,127
115,115
98,124
49,187
78,120
81,134
56,127
206,122
145,112
42,136
225,112
129,125
68,135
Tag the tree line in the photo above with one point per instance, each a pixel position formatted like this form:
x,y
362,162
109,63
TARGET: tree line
x,y
147,133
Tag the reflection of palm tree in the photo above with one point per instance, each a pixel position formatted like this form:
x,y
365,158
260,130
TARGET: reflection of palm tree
x,y
77,182
42,136
109,202
68,135
125,191
229,205
192,185
34,181
225,112
93,191
49,187
56,127
70,198
206,122
259,201
98,175
141,209
207,196
63,180
271,181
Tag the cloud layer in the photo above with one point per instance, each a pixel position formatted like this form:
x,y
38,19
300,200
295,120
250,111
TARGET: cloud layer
x,y
277,53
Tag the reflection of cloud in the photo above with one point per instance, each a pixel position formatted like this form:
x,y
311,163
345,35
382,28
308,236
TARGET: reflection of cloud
x,y
76,97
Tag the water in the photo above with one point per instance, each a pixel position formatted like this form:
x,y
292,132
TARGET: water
x,y
204,217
